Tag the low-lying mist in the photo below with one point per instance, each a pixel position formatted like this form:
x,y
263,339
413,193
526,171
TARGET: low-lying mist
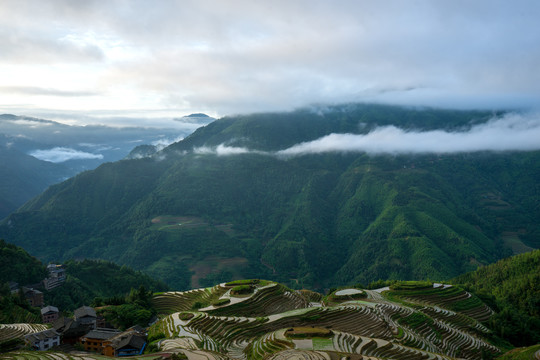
x,y
511,132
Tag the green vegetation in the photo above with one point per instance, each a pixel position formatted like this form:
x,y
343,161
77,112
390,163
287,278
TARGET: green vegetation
x,y
11,344
416,319
19,266
242,290
411,285
15,309
521,353
512,288
243,282
94,281
221,302
136,309
309,221
185,316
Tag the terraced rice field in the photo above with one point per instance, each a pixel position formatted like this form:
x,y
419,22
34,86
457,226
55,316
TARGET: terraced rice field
x,y
445,323
18,331
442,322
446,297
173,301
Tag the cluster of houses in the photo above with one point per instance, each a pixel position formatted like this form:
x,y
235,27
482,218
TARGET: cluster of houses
x,y
85,328
56,277
88,330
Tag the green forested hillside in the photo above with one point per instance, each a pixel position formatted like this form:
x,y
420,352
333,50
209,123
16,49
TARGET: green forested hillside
x,y
512,287
91,280
19,266
27,176
86,281
192,218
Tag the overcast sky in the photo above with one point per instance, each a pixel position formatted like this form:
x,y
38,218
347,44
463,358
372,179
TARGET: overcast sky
x,y
145,62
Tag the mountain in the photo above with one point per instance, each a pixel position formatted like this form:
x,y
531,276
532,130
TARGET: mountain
x,y
37,153
25,177
512,287
227,202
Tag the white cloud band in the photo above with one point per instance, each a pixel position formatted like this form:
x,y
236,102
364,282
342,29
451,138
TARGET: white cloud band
x,y
62,154
513,132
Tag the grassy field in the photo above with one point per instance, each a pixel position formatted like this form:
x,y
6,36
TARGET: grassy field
x,y
215,265
171,223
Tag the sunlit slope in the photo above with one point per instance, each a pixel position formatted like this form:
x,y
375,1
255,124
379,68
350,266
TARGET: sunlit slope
x,y
191,217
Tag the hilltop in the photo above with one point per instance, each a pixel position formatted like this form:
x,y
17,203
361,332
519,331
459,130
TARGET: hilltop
x,y
226,202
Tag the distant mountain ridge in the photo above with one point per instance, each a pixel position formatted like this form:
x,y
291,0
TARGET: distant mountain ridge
x,y
36,153
192,215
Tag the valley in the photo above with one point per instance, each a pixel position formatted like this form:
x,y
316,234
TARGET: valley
x,y
234,201
228,191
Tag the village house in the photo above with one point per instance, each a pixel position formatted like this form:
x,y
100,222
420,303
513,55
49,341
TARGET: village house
x,y
43,340
34,297
112,342
94,340
49,314
125,344
86,316
57,276
70,329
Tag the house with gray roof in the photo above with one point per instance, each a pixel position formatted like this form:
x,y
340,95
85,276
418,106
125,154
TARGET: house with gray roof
x,y
43,340
95,339
86,316
129,345
49,314
70,329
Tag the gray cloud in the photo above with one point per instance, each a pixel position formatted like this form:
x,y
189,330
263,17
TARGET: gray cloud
x,y
242,56
45,48
62,154
33,90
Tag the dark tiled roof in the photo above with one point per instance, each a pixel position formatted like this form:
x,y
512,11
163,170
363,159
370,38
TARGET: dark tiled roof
x,y
62,323
42,335
69,327
131,341
102,334
27,290
137,328
84,311
48,309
